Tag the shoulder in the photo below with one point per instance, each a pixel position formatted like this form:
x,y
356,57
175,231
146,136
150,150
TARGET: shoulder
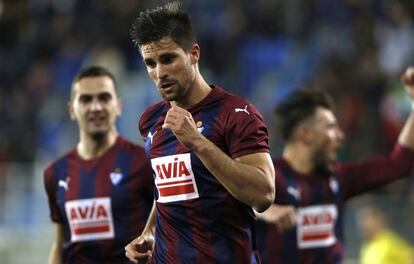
x,y
230,100
129,146
236,107
59,165
151,114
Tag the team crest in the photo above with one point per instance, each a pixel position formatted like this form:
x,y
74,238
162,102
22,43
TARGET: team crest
x,y
200,126
116,176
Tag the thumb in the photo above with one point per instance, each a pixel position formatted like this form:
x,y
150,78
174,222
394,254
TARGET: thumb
x,y
142,245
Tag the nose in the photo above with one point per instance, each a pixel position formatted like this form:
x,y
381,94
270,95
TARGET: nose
x,y
340,134
161,71
96,105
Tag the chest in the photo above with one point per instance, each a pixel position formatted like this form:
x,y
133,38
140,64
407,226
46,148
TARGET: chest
x,y
162,142
300,192
81,186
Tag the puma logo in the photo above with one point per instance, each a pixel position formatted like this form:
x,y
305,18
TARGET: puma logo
x,y
294,192
151,136
64,184
242,110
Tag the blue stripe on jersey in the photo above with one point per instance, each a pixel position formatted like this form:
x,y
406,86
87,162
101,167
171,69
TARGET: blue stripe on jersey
x,y
118,194
289,238
339,200
87,183
62,165
160,244
184,251
290,181
316,194
208,118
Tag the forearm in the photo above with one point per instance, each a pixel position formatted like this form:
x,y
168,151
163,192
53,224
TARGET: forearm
x,y
55,254
151,221
250,184
406,137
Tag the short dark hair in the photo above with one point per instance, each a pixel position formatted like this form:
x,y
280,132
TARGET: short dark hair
x,y
299,106
92,71
169,20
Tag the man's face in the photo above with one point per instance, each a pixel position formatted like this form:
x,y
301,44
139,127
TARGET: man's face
x,y
326,138
95,105
170,67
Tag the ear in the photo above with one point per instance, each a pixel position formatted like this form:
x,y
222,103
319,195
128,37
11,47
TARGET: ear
x,y
195,53
71,111
120,105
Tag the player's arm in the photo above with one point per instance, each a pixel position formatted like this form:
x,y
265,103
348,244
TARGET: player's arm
x,y
283,217
368,175
249,178
406,137
55,256
140,249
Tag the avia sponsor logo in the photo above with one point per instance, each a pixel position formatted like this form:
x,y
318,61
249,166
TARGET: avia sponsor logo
x,y
174,178
316,226
324,218
90,219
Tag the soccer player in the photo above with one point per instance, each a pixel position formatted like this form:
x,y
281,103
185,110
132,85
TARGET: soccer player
x,y
208,150
381,244
100,192
305,223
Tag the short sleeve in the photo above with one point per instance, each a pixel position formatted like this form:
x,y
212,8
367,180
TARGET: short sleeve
x,y
246,132
50,186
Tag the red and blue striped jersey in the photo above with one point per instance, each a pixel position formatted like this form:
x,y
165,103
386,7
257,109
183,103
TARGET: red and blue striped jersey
x,y
319,201
198,220
102,203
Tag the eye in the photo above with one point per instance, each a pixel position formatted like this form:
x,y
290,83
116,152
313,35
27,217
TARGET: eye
x,y
85,98
104,97
150,63
167,58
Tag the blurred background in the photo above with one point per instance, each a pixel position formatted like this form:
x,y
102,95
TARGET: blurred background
x,y
262,50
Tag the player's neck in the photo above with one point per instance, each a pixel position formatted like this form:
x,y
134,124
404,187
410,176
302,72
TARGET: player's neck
x,y
298,158
90,147
197,92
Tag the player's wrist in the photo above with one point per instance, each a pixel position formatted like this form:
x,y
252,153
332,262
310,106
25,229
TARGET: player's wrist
x,y
200,145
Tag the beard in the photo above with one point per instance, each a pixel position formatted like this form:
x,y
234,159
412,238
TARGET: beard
x,y
174,95
98,136
322,165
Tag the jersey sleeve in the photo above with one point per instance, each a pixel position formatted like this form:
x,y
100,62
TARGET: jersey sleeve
x,y
51,186
246,132
364,176
142,127
148,181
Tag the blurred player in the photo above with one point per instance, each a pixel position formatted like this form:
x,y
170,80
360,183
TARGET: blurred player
x,y
208,150
100,193
381,244
305,223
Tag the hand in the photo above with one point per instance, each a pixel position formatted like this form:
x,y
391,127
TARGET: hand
x,y
182,124
140,249
408,80
282,216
